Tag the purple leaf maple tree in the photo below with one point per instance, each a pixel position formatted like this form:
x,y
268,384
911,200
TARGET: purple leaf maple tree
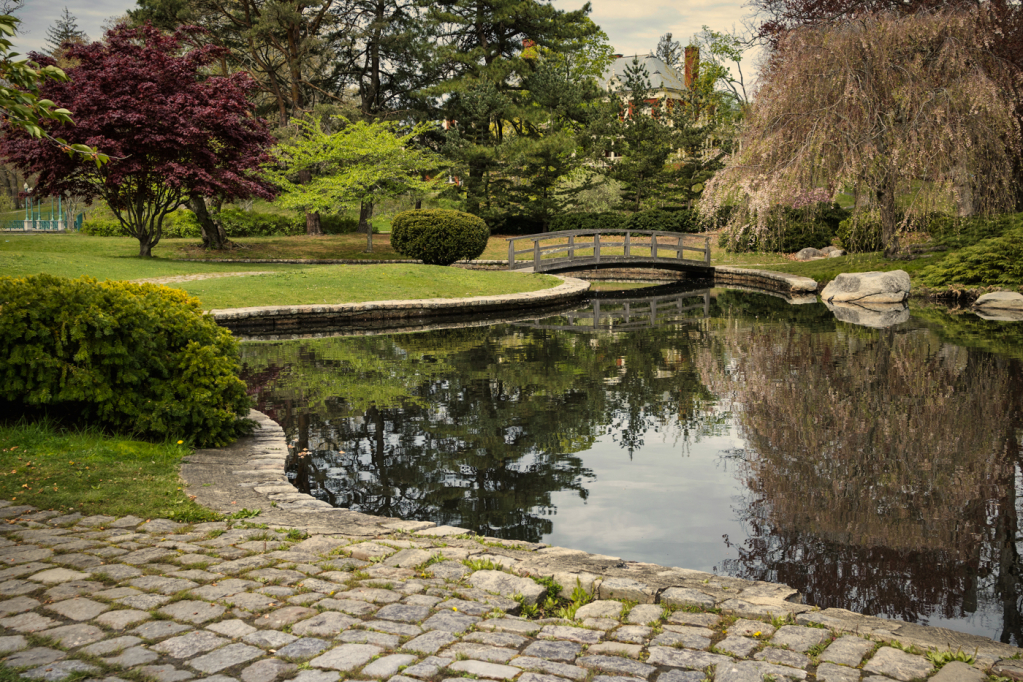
x,y
173,131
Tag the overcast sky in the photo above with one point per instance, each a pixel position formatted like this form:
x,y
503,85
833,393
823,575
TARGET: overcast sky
x,y
632,25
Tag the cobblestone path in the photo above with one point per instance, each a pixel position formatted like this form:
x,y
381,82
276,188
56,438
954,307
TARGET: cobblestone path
x,y
115,599
172,279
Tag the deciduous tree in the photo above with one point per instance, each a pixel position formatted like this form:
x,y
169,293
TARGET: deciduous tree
x,y
172,132
908,108
355,165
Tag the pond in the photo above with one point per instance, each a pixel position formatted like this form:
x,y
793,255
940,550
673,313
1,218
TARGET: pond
x,y
718,430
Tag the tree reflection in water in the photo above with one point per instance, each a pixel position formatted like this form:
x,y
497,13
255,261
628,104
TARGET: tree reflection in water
x,y
880,468
475,428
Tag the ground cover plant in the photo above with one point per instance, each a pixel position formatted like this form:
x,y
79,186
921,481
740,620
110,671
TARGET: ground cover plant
x,y
94,473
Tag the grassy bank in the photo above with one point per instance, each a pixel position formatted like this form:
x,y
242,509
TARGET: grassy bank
x,y
75,255
91,473
308,285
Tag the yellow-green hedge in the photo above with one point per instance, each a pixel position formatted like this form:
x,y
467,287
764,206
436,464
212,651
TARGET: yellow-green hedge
x,y
138,359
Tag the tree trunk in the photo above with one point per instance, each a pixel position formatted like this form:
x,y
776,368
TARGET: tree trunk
x,y
889,218
312,218
213,235
146,244
365,214
419,203
312,223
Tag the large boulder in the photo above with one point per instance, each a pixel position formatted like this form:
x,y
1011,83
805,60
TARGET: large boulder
x,y
1000,300
833,251
868,287
875,315
810,253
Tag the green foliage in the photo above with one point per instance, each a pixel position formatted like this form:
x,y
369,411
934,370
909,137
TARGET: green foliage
x,y
337,224
790,230
103,227
940,658
514,224
20,101
134,358
956,233
861,233
439,236
245,513
236,222
482,565
677,220
995,261
357,163
588,221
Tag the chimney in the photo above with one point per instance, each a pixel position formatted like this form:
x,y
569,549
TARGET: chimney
x,y
692,65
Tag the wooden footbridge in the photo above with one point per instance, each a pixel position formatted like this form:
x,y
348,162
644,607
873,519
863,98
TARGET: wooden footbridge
x,y
601,249
628,314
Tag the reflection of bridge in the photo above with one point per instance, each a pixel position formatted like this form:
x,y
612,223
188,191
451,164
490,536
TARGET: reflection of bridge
x,y
597,249
628,314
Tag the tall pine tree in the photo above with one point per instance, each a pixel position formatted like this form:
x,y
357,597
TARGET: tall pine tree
x,y
64,30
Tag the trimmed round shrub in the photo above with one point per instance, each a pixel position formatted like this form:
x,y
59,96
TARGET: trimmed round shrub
x,y
139,359
438,236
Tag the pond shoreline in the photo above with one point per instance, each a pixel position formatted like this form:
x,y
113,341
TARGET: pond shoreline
x,y
373,316
251,474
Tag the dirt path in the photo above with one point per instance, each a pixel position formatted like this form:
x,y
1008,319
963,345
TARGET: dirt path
x,y
173,279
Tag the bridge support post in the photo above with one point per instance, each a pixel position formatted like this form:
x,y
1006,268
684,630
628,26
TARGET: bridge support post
x,y
628,244
706,253
536,256
571,246
653,245
511,253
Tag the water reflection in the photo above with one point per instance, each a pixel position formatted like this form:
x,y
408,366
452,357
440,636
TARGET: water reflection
x,y
875,470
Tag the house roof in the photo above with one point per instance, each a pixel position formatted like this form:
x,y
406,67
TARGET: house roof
x,y
662,76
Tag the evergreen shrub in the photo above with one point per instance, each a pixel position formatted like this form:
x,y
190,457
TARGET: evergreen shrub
x,y
439,236
789,230
587,221
138,359
989,262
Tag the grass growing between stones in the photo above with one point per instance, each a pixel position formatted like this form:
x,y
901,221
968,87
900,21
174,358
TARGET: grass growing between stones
x,y
92,473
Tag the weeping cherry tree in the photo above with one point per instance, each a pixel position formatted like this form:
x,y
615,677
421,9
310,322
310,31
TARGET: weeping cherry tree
x,y
911,111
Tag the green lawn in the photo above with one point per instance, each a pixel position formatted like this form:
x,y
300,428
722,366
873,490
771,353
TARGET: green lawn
x,y
92,473
74,255
312,284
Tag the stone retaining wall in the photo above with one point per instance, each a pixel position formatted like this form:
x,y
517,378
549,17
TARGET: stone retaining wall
x,y
781,282
374,314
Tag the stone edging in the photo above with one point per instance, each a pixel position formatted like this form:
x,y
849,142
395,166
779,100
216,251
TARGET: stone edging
x,y
251,474
331,261
781,282
311,317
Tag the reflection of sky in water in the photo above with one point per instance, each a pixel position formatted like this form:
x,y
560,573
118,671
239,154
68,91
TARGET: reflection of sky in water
x,y
664,506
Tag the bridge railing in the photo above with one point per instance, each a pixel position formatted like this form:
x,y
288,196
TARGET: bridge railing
x,y
555,250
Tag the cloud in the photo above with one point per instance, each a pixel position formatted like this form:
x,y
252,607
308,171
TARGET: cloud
x,y
634,27
38,15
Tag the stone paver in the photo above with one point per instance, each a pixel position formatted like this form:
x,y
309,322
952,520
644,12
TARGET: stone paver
x,y
897,664
848,650
256,610
220,659
799,638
